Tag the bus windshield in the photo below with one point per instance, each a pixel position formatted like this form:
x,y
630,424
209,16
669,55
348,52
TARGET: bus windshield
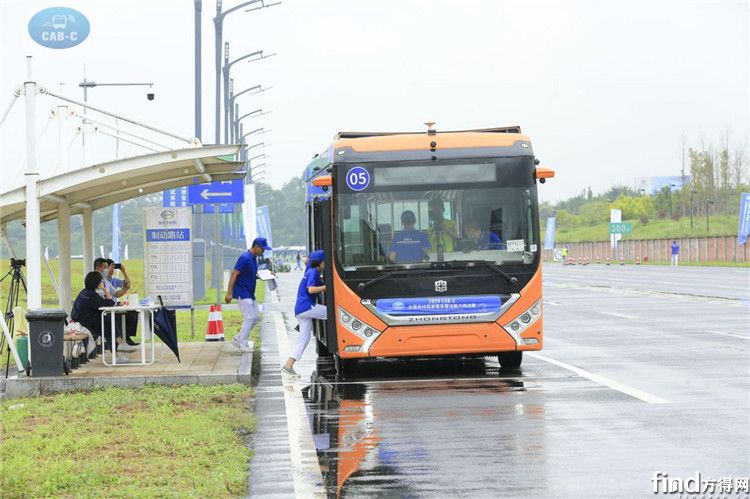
x,y
405,215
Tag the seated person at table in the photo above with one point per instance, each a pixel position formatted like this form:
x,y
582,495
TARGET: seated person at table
x,y
485,240
117,288
86,307
409,245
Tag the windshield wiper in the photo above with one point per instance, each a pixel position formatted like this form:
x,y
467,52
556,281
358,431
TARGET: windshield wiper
x,y
510,279
364,285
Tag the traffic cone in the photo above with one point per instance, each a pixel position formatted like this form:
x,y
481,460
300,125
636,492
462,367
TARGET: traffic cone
x,y
215,327
637,260
219,321
622,260
598,260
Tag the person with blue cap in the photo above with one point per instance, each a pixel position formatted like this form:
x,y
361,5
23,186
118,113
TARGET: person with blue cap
x,y
242,287
306,309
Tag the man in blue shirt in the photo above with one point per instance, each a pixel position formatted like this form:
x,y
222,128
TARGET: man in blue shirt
x,y
242,287
675,253
409,245
306,309
485,240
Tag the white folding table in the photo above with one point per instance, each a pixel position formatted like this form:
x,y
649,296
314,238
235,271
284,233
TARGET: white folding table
x,y
146,333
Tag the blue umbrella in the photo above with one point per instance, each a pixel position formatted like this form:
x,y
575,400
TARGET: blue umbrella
x,y
165,327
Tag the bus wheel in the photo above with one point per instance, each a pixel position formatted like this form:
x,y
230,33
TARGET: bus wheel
x,y
510,360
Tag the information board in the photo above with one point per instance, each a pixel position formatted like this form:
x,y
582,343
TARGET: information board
x,y
168,262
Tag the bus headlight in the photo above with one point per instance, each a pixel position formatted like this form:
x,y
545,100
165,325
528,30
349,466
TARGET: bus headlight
x,y
360,328
524,320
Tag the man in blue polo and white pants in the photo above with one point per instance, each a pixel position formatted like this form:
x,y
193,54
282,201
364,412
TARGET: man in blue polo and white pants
x,y
242,287
306,309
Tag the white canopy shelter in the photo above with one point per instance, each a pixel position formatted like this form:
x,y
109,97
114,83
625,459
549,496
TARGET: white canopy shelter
x,y
93,187
80,191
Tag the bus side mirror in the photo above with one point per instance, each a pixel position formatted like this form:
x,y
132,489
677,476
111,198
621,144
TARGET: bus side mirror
x,y
324,181
544,173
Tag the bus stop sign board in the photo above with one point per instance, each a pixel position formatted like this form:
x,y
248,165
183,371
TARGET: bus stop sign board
x,y
227,191
620,228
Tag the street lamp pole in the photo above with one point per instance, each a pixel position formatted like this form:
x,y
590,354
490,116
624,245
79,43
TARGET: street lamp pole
x,y
198,67
218,39
225,70
708,206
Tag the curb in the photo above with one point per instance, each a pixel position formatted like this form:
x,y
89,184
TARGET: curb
x,y
30,387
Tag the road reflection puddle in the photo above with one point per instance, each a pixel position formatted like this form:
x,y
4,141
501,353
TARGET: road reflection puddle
x,y
378,433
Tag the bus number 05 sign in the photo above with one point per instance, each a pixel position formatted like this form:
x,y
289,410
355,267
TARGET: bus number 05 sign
x,y
168,262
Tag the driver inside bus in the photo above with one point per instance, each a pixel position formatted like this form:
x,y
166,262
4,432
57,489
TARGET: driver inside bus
x,y
483,239
442,231
409,244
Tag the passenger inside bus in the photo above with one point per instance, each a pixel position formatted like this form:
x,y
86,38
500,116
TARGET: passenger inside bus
x,y
442,230
409,244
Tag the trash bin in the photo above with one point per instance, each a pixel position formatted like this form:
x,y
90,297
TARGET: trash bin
x,y
46,340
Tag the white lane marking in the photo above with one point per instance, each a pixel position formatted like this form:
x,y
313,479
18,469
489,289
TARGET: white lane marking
x,y
550,302
308,480
603,380
616,314
724,333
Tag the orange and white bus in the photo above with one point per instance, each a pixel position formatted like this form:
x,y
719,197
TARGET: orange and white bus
x,y
432,244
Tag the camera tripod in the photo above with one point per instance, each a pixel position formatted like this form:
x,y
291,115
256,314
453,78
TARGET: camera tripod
x,y
16,282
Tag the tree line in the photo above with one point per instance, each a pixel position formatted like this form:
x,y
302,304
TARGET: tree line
x,y
713,177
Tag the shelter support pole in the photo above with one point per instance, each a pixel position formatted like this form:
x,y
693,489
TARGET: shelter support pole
x,y
88,241
63,242
33,222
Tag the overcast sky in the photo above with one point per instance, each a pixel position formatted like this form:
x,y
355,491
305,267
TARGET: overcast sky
x,y
603,90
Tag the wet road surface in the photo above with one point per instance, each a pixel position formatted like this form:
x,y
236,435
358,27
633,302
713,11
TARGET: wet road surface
x,y
644,369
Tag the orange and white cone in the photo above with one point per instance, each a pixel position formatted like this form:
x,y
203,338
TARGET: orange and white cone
x,y
608,261
622,260
598,260
638,260
215,328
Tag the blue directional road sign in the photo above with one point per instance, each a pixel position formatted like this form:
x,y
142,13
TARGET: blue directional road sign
x,y
227,191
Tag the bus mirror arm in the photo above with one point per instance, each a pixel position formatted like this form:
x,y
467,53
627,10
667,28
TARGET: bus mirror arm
x,y
543,173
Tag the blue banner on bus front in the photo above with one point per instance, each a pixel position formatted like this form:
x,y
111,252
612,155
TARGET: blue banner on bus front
x,y
439,305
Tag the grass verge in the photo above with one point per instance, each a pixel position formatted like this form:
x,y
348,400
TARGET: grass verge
x,y
155,441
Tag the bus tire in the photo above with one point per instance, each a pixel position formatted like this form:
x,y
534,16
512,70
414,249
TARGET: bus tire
x,y
510,360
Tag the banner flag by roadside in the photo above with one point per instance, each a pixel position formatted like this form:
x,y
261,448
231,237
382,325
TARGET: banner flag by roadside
x,y
116,233
744,225
549,235
264,224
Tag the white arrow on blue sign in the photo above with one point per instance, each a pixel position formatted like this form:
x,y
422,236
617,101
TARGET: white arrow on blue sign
x,y
227,191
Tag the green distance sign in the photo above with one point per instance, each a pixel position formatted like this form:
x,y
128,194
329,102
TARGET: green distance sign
x,y
620,228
